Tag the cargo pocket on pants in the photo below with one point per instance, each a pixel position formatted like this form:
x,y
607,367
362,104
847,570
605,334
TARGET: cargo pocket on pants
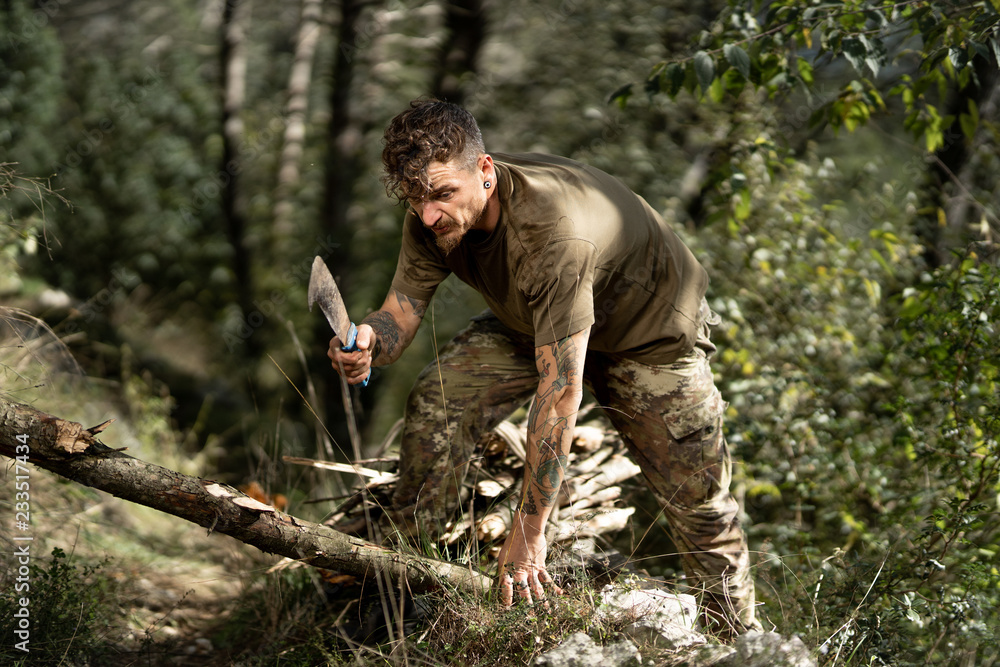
x,y
688,420
700,465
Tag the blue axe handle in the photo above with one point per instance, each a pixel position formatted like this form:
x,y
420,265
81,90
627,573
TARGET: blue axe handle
x,y
351,345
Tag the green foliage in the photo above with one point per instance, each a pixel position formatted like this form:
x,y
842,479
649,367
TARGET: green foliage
x,y
19,232
30,87
862,384
139,217
70,608
777,47
31,66
945,565
863,403
927,589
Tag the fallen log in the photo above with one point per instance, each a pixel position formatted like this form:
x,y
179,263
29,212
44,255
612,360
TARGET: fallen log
x,y
31,437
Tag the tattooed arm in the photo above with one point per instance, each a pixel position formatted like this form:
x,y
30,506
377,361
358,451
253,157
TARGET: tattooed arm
x,y
394,326
382,337
550,433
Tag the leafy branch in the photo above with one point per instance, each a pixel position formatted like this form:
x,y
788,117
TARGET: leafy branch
x,y
760,43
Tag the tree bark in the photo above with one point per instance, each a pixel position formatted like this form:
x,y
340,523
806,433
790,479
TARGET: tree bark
x,y
342,168
295,118
66,448
233,63
465,27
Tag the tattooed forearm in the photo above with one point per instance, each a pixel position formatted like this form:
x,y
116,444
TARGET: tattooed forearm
x,y
543,364
551,420
529,506
387,336
542,480
550,472
408,302
565,374
567,367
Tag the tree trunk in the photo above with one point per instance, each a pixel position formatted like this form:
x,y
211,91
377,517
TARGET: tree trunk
x,y
342,168
66,448
343,137
295,118
465,27
950,181
233,63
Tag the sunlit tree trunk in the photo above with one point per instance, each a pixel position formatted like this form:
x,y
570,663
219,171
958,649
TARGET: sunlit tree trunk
x,y
295,118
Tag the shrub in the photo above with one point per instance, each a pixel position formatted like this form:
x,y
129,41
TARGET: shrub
x,y
864,409
71,607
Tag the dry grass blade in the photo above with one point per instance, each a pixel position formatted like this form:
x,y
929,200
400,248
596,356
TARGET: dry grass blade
x,y
376,476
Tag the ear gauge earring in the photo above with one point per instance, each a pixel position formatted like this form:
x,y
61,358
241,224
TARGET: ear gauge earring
x,y
487,185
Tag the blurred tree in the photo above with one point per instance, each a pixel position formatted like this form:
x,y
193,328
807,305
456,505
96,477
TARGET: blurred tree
x,y
961,204
342,168
299,81
343,138
465,30
233,65
31,91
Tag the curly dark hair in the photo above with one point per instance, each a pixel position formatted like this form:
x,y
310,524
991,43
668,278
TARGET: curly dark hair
x,y
429,131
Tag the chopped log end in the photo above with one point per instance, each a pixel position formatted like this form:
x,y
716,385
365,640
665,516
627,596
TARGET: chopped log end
x,y
276,500
251,504
489,488
70,438
588,438
246,502
218,490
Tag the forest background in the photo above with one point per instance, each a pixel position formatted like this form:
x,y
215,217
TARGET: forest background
x,y
170,169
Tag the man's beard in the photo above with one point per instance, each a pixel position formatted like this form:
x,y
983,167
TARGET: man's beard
x,y
447,242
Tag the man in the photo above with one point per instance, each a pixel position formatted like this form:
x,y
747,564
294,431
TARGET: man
x,y
587,286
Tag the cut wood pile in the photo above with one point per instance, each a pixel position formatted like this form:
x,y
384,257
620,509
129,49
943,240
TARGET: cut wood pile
x,y
591,501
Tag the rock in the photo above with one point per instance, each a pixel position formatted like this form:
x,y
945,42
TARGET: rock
x,y
54,299
663,636
579,650
710,655
662,619
652,605
768,649
665,624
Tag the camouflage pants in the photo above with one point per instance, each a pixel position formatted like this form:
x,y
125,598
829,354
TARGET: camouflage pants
x,y
669,416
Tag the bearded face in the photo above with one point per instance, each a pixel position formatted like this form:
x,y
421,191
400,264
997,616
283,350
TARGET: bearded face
x,y
450,232
456,203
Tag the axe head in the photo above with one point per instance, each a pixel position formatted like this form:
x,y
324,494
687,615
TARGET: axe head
x,y
323,290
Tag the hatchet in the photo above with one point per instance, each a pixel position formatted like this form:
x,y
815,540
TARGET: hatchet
x,y
323,290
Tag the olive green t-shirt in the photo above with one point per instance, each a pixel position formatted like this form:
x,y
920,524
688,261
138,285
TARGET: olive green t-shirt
x,y
573,249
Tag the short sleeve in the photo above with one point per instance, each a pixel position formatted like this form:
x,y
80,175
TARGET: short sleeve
x,y
420,268
558,282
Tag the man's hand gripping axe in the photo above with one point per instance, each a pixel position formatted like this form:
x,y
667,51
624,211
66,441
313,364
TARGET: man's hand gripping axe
x,y
323,290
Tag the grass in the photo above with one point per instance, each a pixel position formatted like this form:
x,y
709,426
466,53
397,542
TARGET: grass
x,y
128,585
122,584
345,624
